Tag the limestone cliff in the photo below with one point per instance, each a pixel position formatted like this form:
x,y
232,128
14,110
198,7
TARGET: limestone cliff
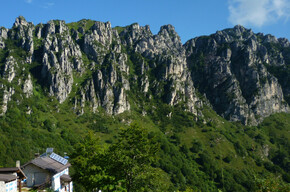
x,y
230,67
92,66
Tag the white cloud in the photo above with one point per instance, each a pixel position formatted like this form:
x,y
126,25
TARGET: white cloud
x,y
28,1
258,12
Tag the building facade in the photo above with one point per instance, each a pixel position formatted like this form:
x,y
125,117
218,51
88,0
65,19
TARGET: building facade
x,y
10,179
49,171
8,183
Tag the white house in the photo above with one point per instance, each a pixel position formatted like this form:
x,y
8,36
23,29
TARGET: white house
x,y
10,179
8,183
49,170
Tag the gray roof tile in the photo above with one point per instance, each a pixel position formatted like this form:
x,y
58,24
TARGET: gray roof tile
x,y
49,164
7,177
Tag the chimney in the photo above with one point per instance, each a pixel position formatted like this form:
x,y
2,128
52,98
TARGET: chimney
x,y
18,163
36,155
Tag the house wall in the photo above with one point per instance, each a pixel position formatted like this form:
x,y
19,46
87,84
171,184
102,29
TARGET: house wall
x,y
71,187
67,188
2,186
36,175
56,184
11,186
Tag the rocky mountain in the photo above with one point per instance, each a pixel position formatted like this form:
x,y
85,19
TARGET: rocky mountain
x,y
235,68
243,76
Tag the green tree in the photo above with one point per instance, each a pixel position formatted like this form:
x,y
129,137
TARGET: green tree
x,y
123,166
271,184
131,158
87,161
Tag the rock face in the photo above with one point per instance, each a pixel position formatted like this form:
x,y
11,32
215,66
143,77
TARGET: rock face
x,y
109,81
28,87
3,36
7,95
93,66
61,55
230,67
167,64
23,32
9,69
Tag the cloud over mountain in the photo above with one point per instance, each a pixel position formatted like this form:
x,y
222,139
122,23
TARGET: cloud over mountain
x,y
258,12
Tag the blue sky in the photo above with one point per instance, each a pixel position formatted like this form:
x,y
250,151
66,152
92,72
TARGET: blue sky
x,y
190,18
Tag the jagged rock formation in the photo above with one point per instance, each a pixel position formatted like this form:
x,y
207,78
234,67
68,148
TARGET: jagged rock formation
x,y
102,45
28,87
8,74
230,66
167,62
61,55
7,95
24,33
92,66
3,36
9,69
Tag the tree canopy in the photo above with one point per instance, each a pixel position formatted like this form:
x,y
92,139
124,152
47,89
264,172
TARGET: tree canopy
x,y
123,166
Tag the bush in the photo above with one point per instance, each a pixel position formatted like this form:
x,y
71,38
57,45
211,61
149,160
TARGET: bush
x,y
228,159
196,147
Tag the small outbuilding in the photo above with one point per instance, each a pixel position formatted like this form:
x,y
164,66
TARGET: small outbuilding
x,y
49,170
10,179
8,183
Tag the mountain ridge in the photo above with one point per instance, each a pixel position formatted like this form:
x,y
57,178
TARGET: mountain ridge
x,y
109,61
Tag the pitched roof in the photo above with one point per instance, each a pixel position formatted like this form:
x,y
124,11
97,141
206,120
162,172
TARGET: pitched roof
x,y
49,164
65,178
7,177
10,170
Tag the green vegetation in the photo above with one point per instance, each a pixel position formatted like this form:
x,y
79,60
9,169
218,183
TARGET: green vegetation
x,y
192,154
123,166
84,23
119,29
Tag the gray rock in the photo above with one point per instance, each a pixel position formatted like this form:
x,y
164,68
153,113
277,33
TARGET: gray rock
x,y
20,21
7,95
112,96
230,67
38,30
28,87
3,36
49,28
270,39
23,31
98,41
3,32
60,56
165,49
233,75
110,83
2,44
284,42
10,69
